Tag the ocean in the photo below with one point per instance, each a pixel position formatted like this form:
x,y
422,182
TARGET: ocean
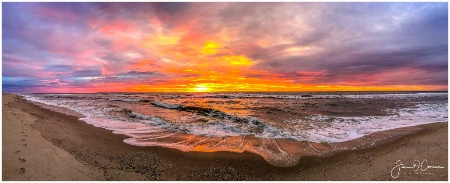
x,y
281,127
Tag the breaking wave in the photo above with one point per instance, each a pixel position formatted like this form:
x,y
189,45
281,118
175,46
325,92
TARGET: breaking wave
x,y
221,131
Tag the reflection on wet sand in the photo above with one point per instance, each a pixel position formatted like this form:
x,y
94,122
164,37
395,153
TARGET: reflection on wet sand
x,y
278,152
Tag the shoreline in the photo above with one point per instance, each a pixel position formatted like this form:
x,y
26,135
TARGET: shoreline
x,y
105,152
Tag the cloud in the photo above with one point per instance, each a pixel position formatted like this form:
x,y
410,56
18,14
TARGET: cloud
x,y
59,68
302,43
86,73
137,73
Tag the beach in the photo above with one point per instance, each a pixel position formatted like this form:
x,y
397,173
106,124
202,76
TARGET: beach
x,y
40,144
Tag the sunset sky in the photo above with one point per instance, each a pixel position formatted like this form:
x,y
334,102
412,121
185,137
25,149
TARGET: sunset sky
x,y
207,47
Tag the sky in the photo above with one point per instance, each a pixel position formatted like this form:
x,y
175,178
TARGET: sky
x,y
217,47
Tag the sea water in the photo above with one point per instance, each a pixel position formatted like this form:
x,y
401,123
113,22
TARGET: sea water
x,y
274,125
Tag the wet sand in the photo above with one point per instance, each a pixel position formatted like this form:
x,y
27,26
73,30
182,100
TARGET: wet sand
x,y
61,147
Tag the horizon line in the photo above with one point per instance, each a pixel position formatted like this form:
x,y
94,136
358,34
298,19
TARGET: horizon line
x,y
393,91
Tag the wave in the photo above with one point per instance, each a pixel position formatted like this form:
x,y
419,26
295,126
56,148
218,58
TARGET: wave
x,y
315,128
227,125
226,132
307,95
165,105
125,99
212,113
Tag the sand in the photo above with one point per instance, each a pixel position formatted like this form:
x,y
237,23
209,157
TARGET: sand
x,y
39,144
28,156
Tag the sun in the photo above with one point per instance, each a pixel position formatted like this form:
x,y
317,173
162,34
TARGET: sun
x,y
200,88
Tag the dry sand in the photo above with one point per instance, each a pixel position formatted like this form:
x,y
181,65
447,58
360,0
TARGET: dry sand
x,y
28,156
39,144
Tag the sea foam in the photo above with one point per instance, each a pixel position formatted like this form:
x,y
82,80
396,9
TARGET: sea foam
x,y
225,132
